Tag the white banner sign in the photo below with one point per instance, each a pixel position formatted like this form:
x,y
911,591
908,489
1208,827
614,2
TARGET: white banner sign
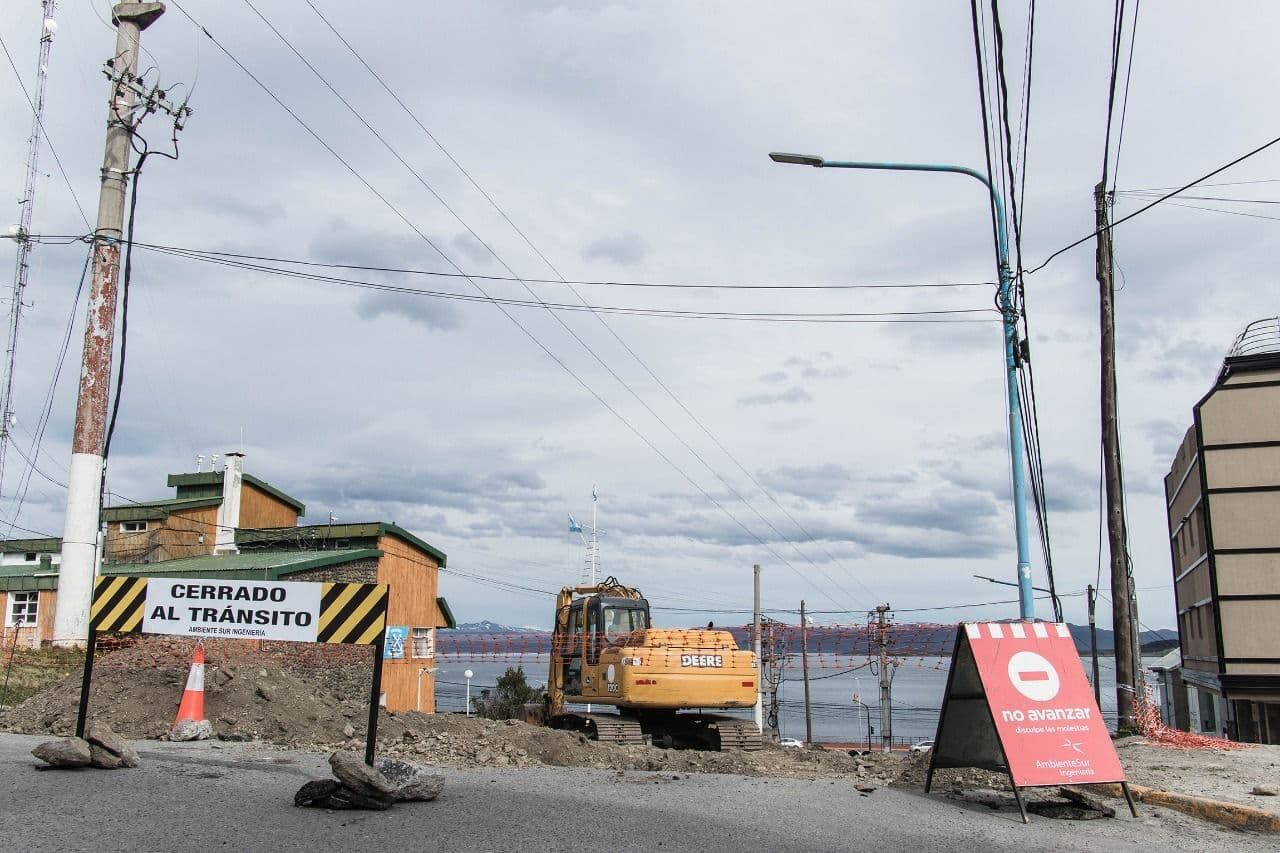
x,y
256,610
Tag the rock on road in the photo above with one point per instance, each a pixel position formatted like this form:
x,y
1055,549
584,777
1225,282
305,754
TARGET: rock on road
x,y
207,796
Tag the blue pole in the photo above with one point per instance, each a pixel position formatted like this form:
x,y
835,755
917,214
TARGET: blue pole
x,y
1017,450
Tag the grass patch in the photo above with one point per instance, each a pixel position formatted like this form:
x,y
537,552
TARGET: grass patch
x,y
31,670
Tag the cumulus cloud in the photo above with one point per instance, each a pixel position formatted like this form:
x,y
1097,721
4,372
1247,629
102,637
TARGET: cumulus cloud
x,y
627,249
794,394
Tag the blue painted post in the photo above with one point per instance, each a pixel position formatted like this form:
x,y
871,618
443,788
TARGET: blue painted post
x,y
1017,449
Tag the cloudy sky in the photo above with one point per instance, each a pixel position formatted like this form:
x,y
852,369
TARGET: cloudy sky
x,y
858,463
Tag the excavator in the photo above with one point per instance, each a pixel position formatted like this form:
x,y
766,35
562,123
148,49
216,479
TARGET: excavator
x,y
663,682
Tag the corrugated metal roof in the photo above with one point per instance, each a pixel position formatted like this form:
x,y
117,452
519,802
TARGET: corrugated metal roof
x,y
247,565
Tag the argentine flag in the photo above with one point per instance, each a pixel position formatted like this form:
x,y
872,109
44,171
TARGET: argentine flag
x,y
574,527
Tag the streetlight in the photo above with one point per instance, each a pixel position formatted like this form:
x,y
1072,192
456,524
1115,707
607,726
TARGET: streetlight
x,y
1017,452
857,700
421,672
467,675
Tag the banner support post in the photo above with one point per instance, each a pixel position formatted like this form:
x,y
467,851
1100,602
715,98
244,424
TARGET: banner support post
x,y
85,681
375,693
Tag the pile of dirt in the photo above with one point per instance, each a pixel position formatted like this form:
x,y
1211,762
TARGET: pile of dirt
x,y
912,769
302,708
451,740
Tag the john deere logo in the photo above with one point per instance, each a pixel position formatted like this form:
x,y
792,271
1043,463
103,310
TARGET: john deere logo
x,y
702,660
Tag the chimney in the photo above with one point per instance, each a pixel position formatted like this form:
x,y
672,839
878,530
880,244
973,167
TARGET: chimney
x,y
229,509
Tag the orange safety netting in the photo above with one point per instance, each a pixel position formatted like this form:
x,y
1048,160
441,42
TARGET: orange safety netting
x,y
1157,733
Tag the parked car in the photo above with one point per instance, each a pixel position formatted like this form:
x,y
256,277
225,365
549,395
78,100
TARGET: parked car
x,y
793,743
922,746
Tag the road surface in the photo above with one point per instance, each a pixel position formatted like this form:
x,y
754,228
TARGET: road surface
x,y
224,796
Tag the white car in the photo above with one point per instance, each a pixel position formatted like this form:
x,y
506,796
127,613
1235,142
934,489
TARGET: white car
x,y
922,746
791,742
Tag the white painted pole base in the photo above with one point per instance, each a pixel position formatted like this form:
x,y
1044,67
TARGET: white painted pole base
x,y
79,552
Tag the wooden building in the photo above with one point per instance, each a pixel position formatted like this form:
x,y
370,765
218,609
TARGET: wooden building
x,y
228,524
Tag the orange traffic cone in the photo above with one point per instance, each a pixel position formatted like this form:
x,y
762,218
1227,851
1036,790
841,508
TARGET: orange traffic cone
x,y
190,723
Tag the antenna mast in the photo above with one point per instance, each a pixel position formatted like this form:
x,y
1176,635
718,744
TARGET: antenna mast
x,y
26,206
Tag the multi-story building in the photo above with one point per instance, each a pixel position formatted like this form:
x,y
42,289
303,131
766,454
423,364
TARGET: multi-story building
x,y
1222,495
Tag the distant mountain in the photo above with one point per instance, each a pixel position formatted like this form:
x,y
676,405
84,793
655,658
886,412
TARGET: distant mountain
x,y
905,639
1152,641
487,627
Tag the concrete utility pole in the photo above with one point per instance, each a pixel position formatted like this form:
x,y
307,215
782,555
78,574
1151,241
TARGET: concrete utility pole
x,y
759,660
1123,612
84,486
886,690
804,665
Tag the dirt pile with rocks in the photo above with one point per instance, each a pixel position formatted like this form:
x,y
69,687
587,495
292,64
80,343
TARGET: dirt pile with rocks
x,y
327,710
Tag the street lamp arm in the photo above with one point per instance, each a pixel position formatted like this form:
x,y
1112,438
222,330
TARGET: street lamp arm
x,y
1008,308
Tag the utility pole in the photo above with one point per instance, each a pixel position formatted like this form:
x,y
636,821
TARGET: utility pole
x,y
804,664
1093,643
759,661
84,486
886,695
1123,612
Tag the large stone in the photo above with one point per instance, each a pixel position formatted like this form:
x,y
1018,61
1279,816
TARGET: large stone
x,y
331,794
353,773
1266,790
191,730
104,758
64,752
412,782
100,734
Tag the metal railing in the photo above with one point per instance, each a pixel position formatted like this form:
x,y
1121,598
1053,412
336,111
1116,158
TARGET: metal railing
x,y
1259,337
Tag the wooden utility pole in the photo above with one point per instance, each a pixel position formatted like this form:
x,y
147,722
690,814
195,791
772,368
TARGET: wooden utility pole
x,y
84,485
1123,611
1093,643
804,665
755,626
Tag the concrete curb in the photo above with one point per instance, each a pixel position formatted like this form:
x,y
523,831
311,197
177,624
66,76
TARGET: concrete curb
x,y
1230,815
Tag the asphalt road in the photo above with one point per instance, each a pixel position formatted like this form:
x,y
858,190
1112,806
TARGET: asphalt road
x,y
210,796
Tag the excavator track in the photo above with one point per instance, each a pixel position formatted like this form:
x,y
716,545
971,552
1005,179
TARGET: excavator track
x,y
735,732
606,728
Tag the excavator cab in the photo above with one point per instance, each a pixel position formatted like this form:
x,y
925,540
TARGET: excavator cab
x,y
593,624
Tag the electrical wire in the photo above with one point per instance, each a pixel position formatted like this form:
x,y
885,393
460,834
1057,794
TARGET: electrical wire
x,y
1124,107
52,150
1247,155
47,409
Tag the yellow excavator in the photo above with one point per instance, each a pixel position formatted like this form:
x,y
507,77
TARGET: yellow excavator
x,y
662,681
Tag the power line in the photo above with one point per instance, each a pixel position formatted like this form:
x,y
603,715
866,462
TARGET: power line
x,y
43,238
53,151
587,347
763,316
1163,198
1124,107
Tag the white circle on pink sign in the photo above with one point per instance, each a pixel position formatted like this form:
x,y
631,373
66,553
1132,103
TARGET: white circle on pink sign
x,y
1033,676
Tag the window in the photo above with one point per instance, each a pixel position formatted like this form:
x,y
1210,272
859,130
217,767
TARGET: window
x,y
133,527
619,622
424,642
30,556
22,609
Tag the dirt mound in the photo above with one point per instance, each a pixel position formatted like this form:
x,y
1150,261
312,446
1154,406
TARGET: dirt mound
x,y
311,708
471,742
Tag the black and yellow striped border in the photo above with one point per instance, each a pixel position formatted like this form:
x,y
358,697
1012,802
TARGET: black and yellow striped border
x,y
352,613
118,604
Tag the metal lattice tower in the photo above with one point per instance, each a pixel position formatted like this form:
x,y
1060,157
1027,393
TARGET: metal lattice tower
x,y
26,207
